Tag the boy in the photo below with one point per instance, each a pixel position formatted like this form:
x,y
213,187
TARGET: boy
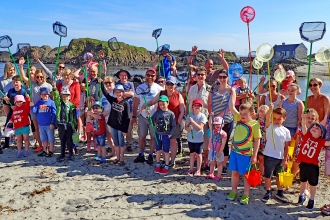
x,y
244,150
313,141
243,93
99,131
45,110
276,151
167,63
66,119
165,125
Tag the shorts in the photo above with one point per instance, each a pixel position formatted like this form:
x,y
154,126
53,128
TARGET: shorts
x,y
239,163
163,143
327,161
195,147
33,115
46,134
213,154
144,126
292,131
22,130
89,127
77,113
272,166
309,172
100,140
178,131
118,137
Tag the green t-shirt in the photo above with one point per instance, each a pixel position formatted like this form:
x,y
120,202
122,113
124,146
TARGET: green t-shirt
x,y
244,135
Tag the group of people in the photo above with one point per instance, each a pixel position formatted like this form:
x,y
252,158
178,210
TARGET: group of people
x,y
99,107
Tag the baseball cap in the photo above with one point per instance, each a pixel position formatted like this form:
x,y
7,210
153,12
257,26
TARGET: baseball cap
x,y
166,47
171,79
163,98
119,87
97,103
65,92
217,120
19,98
151,70
197,102
44,90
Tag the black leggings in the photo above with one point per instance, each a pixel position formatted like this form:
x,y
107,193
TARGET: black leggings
x,y
65,136
7,119
228,128
33,129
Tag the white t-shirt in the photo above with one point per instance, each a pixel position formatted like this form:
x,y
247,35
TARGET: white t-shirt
x,y
154,90
281,135
198,135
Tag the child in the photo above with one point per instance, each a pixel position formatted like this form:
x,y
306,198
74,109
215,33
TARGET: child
x,y
276,150
119,120
21,122
99,130
327,137
262,111
167,63
243,93
244,151
195,135
290,78
313,141
293,107
81,118
165,125
217,142
66,122
45,110
89,126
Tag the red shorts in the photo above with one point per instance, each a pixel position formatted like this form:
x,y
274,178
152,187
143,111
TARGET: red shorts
x,y
89,127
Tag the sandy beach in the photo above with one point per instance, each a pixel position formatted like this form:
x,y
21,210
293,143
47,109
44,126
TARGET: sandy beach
x,y
41,188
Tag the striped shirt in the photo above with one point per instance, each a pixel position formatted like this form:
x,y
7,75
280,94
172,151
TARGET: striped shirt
x,y
291,113
220,103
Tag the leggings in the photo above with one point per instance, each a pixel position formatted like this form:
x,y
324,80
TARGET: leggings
x,y
7,119
228,128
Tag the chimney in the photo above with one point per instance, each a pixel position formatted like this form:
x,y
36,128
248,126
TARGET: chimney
x,y
283,43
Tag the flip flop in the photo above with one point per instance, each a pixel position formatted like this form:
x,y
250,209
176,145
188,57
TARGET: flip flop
x,y
210,176
216,178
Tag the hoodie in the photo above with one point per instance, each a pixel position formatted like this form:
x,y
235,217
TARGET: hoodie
x,y
46,112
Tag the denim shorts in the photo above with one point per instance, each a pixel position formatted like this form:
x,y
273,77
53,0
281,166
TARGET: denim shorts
x,y
118,137
22,130
100,140
213,156
163,143
292,131
46,134
239,162
77,113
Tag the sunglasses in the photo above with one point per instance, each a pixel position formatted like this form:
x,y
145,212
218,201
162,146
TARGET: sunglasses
x,y
313,85
273,86
199,74
39,77
223,77
96,107
160,81
150,76
61,67
106,83
92,71
169,84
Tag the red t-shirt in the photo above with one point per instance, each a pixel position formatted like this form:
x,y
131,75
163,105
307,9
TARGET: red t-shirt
x,y
20,116
310,149
99,125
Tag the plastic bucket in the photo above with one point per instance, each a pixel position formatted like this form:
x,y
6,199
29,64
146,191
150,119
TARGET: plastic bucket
x,y
291,150
75,137
253,177
286,179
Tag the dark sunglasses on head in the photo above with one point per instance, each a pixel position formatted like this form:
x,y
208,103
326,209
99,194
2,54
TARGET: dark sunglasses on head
x,y
314,85
200,74
61,67
39,77
151,76
223,77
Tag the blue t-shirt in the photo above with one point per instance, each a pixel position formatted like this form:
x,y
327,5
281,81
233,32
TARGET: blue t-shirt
x,y
127,87
166,66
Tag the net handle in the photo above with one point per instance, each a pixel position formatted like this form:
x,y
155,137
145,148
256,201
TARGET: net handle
x,y
57,58
308,75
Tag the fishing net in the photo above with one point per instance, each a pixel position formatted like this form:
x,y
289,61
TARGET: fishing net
x,y
265,52
183,76
278,56
23,49
323,55
113,44
247,14
156,33
5,42
257,64
142,89
235,71
59,29
312,31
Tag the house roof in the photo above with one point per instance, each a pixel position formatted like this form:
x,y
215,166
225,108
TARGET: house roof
x,y
286,47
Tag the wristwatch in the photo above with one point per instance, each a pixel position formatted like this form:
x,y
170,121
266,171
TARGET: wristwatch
x,y
133,116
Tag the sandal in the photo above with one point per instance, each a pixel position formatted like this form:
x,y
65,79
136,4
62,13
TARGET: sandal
x,y
121,163
325,210
190,171
114,162
197,174
210,176
216,178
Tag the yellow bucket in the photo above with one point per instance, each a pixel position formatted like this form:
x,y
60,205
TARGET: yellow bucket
x,y
286,179
291,150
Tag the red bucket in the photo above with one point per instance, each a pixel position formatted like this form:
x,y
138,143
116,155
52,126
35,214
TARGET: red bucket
x,y
253,177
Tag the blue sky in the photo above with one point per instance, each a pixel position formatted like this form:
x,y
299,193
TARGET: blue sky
x,y
209,24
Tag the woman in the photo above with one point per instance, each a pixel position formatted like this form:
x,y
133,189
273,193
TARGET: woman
x,y
176,105
217,103
37,82
273,96
318,101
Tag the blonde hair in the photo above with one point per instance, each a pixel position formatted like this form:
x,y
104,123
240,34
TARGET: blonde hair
x,y
242,79
294,85
264,107
43,74
313,111
109,78
8,66
33,68
68,72
318,80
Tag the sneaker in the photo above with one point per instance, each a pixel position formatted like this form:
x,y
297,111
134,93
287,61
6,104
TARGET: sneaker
x,y
50,154
19,154
96,157
224,170
301,200
232,196
26,153
171,164
139,159
42,154
150,160
245,200
267,196
102,160
158,168
129,148
71,158
40,148
165,170
310,204
60,159
280,195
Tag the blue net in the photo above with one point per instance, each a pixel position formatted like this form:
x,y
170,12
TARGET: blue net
x,y
312,31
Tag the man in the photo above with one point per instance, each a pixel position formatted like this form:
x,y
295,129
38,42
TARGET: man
x,y
144,121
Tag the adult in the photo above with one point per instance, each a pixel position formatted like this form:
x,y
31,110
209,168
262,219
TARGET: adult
x,y
176,105
124,76
273,96
318,101
201,91
222,103
35,84
161,81
144,126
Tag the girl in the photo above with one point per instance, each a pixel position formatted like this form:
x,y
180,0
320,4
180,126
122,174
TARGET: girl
x,y
89,126
294,108
194,125
262,112
81,118
276,97
216,145
118,120
21,122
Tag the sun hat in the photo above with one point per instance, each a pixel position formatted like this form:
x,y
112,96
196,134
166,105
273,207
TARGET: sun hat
x,y
289,73
119,87
163,98
122,70
197,102
19,98
171,79
323,129
217,120
65,92
44,90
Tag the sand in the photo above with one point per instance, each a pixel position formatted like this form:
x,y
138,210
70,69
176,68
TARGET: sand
x,y
317,70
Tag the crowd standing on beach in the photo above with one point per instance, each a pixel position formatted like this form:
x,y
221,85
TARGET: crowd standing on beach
x,y
94,108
